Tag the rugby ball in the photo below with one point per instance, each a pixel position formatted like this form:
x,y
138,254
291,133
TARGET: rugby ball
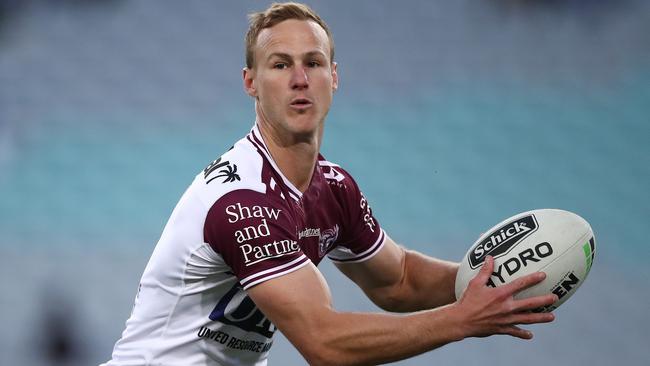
x,y
557,242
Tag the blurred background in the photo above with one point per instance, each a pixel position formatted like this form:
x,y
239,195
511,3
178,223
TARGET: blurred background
x,y
452,115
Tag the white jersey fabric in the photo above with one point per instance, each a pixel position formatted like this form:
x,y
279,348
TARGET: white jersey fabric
x,y
240,223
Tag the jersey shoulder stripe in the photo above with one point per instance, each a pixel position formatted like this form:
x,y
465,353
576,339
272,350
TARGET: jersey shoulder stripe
x,y
344,255
274,272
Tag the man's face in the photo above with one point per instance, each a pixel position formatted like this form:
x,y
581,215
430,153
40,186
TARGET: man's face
x,y
293,79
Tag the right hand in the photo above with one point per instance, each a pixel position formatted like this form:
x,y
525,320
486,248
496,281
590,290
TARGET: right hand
x,y
486,311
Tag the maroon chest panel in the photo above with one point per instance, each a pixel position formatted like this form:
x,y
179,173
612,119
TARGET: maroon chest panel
x,y
264,235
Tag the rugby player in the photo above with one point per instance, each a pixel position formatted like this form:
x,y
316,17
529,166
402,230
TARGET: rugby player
x,y
238,257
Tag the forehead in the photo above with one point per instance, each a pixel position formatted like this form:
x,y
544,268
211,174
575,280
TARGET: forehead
x,y
293,37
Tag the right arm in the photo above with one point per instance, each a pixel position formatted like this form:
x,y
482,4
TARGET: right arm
x,y
299,304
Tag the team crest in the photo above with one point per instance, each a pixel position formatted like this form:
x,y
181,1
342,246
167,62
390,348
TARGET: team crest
x,y
327,239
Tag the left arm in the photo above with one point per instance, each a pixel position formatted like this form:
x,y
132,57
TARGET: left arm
x,y
401,280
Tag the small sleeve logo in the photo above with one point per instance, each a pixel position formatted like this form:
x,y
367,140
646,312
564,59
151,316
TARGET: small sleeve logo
x,y
224,169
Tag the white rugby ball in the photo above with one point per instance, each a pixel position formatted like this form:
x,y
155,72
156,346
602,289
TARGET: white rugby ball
x,y
557,242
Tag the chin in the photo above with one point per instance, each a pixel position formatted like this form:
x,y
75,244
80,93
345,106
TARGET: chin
x,y
304,124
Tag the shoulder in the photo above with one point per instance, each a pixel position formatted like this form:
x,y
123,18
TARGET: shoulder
x,y
338,178
255,234
343,186
235,188
237,170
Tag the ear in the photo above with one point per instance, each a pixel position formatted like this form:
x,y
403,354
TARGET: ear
x,y
248,77
335,77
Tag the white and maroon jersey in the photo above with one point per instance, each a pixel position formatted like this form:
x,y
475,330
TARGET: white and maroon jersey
x,y
240,223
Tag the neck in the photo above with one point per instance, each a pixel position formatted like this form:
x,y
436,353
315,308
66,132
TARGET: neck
x,y
295,156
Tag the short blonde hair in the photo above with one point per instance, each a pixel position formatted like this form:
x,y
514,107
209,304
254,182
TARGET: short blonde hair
x,y
276,13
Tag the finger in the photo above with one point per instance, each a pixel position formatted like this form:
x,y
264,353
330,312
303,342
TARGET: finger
x,y
531,318
486,271
532,303
516,331
524,282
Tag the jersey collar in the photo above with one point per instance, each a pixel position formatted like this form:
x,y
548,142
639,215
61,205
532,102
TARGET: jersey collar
x,y
258,141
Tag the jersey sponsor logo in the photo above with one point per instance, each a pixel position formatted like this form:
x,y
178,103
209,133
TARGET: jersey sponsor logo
x,y
367,213
308,232
258,253
237,309
228,171
503,239
238,212
233,342
327,239
254,253
252,232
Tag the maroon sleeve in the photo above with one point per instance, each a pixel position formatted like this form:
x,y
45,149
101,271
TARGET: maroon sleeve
x,y
363,237
255,236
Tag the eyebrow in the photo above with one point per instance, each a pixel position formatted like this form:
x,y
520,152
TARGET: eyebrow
x,y
279,55
283,55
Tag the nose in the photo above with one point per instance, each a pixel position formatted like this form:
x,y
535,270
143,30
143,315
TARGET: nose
x,y
299,78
